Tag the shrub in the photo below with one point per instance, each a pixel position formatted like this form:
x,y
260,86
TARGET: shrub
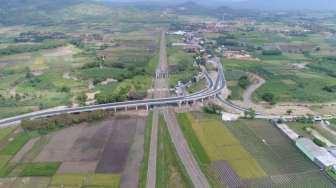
x,y
268,97
212,108
244,82
319,142
66,120
271,52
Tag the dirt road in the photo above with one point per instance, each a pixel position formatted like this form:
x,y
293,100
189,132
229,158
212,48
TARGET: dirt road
x,y
247,96
185,154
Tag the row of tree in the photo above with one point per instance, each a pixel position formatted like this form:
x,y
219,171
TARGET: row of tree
x,y
61,121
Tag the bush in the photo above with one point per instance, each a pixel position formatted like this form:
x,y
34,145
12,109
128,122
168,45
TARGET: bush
x,y
271,52
319,142
212,108
268,97
244,82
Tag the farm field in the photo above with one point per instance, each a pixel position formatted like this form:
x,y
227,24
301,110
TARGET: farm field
x,y
284,164
301,59
218,151
273,161
99,66
107,153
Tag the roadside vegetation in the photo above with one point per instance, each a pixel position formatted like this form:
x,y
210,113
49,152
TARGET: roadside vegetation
x,y
144,164
170,171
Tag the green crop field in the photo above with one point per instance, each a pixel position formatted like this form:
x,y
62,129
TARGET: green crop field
x,y
75,180
39,169
220,144
101,180
13,147
277,155
284,82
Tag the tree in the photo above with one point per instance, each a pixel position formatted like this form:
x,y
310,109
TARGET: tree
x,y
244,82
82,99
289,111
212,108
268,97
250,113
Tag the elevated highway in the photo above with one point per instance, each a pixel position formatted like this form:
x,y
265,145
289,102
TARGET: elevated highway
x,y
213,89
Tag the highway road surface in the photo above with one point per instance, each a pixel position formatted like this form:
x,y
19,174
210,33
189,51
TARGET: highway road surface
x,y
196,175
160,91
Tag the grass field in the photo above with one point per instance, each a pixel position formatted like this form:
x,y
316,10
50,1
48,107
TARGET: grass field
x,y
144,164
198,86
299,128
4,132
180,65
170,171
219,144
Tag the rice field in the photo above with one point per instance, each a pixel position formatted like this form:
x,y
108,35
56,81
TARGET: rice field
x,y
285,165
220,144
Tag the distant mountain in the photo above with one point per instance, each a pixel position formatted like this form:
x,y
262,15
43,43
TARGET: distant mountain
x,y
46,12
318,5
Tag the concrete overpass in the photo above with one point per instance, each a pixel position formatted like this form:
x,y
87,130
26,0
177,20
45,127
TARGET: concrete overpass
x,y
211,91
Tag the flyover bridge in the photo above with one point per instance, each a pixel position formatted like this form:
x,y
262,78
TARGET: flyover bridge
x,y
211,91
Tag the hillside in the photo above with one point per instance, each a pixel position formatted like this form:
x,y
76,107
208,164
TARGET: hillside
x,y
46,12
286,4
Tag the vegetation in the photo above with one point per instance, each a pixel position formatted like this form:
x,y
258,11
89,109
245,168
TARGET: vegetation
x,y
144,164
68,180
39,169
180,66
220,144
4,132
319,142
213,108
250,113
31,47
170,171
244,82
14,146
61,121
101,180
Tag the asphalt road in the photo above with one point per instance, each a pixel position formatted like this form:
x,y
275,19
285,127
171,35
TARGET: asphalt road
x,y
196,175
160,91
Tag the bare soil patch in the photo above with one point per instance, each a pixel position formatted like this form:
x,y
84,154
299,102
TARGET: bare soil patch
x,y
77,167
89,143
111,146
116,150
59,145
130,176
